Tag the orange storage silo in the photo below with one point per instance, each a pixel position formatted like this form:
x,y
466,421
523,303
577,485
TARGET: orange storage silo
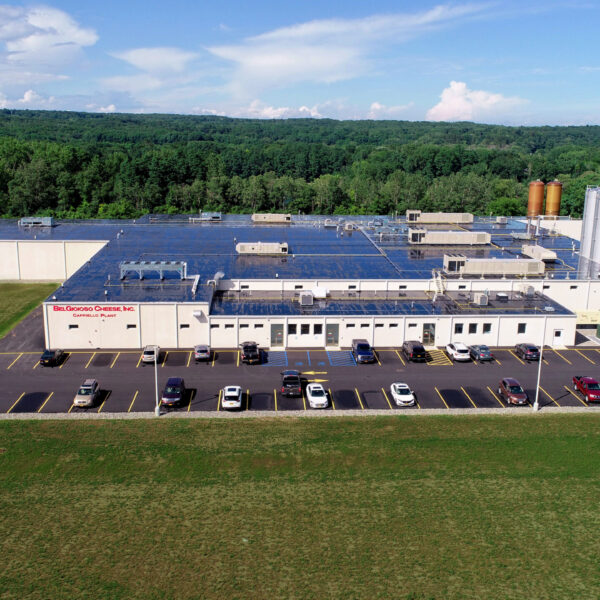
x,y
535,204
553,197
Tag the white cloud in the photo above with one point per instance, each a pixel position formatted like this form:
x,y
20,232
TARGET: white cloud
x,y
134,84
381,111
259,110
157,60
327,50
111,108
459,103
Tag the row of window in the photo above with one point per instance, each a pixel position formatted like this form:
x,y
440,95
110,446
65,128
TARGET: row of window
x,y
487,328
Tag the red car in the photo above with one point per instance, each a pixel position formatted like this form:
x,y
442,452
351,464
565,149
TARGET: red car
x,y
588,386
511,391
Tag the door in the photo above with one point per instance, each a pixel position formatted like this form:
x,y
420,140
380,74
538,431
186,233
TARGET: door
x,y
276,334
332,334
429,334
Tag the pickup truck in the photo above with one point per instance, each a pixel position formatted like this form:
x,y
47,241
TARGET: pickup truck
x,y
588,386
291,384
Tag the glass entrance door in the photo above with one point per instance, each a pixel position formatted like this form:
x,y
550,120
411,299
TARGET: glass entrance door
x,y
276,334
429,334
332,334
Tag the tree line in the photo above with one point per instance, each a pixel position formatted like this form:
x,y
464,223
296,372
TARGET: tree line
x,y
79,165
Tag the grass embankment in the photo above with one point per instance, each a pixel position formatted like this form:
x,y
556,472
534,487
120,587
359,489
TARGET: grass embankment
x,y
17,300
438,507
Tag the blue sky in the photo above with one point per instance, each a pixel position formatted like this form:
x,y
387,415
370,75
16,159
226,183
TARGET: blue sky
x,y
510,62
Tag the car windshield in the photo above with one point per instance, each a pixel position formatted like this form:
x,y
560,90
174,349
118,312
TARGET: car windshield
x,y
172,389
318,392
483,349
593,386
48,354
231,396
462,350
531,349
515,389
84,391
363,347
402,391
148,352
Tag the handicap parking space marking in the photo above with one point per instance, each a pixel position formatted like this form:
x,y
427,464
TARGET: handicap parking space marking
x,y
275,358
438,358
341,358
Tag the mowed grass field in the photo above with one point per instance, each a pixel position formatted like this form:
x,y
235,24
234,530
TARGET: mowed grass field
x,y
374,507
17,300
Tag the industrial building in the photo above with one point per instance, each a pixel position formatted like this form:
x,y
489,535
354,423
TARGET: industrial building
x,y
311,282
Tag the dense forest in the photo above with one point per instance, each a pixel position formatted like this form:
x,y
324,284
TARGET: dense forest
x,y
84,165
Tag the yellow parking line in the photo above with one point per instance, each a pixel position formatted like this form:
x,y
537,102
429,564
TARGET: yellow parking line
x,y
64,361
545,361
584,356
574,394
17,400
134,397
219,402
492,393
359,400
496,360
303,401
401,359
516,357
549,396
275,395
190,402
70,408
115,360
89,361
247,398
139,361
37,364
559,354
45,401
331,397
189,359
469,397
103,403
238,359
377,358
213,360
442,398
14,361
164,362
388,400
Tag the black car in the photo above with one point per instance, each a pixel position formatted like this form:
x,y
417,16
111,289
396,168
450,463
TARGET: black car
x,y
174,392
291,384
250,353
414,351
51,358
362,351
481,353
527,351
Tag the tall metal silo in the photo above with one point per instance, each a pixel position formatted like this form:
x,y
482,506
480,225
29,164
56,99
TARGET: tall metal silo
x,y
535,202
553,198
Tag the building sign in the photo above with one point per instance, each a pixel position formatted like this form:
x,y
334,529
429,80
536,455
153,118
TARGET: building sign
x,y
97,310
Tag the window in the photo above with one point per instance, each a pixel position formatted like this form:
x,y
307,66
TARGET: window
x,y
487,327
349,324
412,325
363,325
458,328
304,329
73,326
214,326
393,324
521,327
572,287
292,328
462,287
298,287
351,287
472,327
244,287
131,326
546,286
243,325
401,287
378,324
228,326
187,326
557,333
258,326
317,329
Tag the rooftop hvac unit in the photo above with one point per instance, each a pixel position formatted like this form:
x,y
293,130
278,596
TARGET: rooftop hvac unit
x,y
527,290
306,299
502,297
481,299
37,222
262,248
271,218
501,220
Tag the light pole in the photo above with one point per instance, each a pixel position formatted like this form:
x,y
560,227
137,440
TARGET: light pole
x,y
157,409
536,404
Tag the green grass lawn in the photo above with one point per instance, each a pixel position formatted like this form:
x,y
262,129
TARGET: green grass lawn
x,y
375,507
17,300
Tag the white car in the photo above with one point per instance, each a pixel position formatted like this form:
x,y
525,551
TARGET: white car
x,y
458,351
232,397
402,394
316,396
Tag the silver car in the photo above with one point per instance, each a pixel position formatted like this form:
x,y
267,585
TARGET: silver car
x,y
201,352
151,354
87,394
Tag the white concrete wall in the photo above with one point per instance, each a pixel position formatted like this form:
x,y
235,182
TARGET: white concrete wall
x,y
9,260
159,325
197,330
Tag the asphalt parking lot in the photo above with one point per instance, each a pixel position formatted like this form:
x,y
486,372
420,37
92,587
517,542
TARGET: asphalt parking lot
x,y
128,385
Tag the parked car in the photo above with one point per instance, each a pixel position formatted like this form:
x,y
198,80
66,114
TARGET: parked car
x,y
458,351
201,352
481,353
362,351
250,353
151,354
51,358
402,394
527,351
511,391
291,384
414,351
232,397
174,392
87,394
316,396
588,386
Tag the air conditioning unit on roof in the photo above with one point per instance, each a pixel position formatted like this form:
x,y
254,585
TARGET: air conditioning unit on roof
x,y
306,299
